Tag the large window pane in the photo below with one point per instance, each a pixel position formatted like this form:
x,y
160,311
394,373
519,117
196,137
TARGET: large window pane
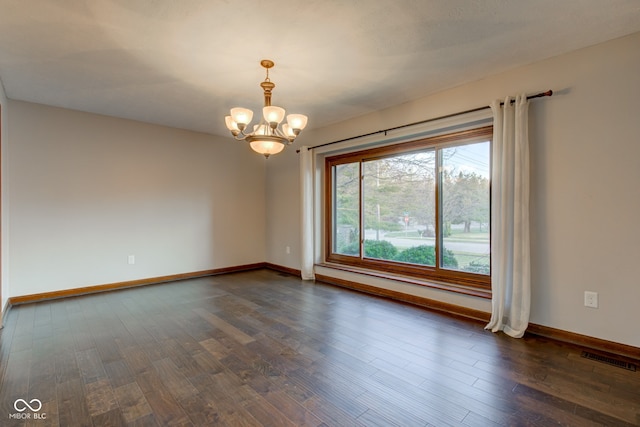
x,y
416,208
465,207
346,203
399,208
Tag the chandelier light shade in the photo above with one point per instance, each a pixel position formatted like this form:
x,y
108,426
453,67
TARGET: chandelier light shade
x,y
267,137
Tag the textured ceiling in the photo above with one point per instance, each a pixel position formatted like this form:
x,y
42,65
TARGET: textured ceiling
x,y
185,63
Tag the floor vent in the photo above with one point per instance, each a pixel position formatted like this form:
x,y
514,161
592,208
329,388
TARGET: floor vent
x,y
609,360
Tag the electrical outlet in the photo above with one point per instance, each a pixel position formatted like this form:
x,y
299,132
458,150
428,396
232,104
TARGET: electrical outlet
x,y
590,299
288,249
131,260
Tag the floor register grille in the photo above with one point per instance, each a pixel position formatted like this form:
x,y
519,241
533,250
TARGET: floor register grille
x,y
609,360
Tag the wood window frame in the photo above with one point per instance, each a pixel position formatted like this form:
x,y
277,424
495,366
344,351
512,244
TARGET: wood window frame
x,y
440,278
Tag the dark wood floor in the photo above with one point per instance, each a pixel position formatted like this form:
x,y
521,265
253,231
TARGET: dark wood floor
x,y
265,349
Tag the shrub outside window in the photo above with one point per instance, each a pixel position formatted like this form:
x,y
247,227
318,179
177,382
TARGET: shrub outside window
x,y
420,208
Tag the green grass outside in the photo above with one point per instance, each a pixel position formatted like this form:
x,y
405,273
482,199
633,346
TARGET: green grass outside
x,y
455,236
464,258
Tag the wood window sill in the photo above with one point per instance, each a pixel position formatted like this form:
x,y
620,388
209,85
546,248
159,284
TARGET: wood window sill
x,y
461,289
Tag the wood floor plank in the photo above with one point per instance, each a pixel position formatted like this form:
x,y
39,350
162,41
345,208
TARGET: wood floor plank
x,y
424,404
208,363
18,371
339,393
112,418
107,348
132,402
387,412
229,408
216,348
90,365
292,409
118,372
48,416
330,414
261,348
137,360
100,397
201,412
15,384
72,405
224,326
149,381
181,354
173,379
474,420
165,408
66,366
22,341
42,378
144,421
267,415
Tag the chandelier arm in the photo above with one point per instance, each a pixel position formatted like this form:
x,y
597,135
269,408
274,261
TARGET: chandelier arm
x,y
241,136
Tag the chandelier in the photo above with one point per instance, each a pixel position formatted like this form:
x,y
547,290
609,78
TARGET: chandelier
x,y
267,137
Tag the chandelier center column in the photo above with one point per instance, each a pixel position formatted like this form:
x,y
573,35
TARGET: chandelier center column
x,y
267,86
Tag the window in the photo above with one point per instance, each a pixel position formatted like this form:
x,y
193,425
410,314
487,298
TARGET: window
x,y
420,208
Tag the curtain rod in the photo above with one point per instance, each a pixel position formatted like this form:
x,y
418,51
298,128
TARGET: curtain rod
x,y
473,110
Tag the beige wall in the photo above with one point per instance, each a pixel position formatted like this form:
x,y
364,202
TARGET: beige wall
x,y
283,210
585,202
86,191
4,265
